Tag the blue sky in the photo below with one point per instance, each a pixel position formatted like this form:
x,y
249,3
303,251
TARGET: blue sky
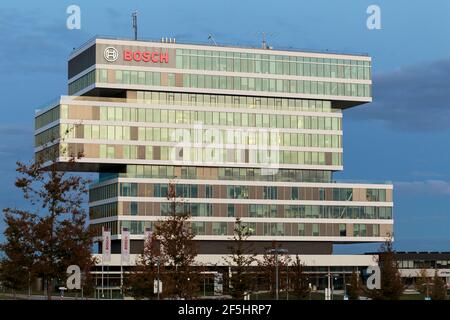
x,y
403,136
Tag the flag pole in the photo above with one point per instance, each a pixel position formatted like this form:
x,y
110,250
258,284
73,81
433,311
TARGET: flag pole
x,y
121,266
103,255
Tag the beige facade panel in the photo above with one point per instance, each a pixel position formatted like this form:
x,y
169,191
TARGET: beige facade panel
x,y
386,230
389,195
349,229
120,208
359,194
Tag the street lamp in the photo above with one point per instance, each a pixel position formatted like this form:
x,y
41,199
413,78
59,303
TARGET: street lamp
x,y
276,252
157,284
310,289
287,280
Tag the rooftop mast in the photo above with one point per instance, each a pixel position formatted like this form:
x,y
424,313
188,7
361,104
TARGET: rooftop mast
x,y
134,16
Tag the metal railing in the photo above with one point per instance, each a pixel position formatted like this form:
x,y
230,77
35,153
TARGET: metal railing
x,y
225,45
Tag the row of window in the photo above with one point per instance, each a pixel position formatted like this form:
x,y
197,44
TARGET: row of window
x,y
212,155
199,156
48,136
104,192
247,210
194,99
83,82
238,119
227,83
196,135
47,117
210,173
421,264
229,101
273,85
272,64
336,212
103,211
258,228
132,189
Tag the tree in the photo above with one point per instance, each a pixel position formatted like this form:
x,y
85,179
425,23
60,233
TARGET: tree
x,y
422,282
17,267
439,290
73,246
300,280
240,260
354,288
60,234
140,281
391,282
268,265
178,250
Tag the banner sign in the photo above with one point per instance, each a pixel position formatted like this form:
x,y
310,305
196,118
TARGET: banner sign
x,y
125,246
106,246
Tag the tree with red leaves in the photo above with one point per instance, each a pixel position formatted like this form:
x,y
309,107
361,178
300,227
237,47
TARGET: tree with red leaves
x,y
53,232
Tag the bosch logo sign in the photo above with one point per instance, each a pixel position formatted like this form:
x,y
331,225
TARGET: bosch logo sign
x,y
111,54
146,56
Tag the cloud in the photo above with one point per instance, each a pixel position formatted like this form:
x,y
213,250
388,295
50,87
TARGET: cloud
x,y
429,174
411,98
32,44
16,130
426,187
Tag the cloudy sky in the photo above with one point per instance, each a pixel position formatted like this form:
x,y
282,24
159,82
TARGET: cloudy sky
x,y
403,136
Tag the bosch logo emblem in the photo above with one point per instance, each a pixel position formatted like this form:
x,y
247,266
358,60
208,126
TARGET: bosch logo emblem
x,y
111,54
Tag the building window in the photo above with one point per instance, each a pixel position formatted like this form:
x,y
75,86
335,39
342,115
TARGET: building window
x,y
376,230
294,195
219,228
198,228
231,210
315,229
128,190
356,230
342,230
301,229
134,208
270,193
208,190
363,230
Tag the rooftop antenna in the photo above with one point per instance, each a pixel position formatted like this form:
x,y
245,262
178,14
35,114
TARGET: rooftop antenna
x,y
264,44
134,16
210,38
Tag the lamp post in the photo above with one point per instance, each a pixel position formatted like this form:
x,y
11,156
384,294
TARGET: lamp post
x,y
334,277
310,289
287,280
276,252
157,284
345,286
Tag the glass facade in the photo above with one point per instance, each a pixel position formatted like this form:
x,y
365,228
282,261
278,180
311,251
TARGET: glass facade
x,y
217,82
272,64
212,117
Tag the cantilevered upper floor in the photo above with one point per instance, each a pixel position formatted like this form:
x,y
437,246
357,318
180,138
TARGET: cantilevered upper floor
x,y
109,67
192,129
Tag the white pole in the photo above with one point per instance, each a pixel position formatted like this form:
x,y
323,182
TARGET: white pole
x,y
276,275
329,284
103,254
121,276
102,281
